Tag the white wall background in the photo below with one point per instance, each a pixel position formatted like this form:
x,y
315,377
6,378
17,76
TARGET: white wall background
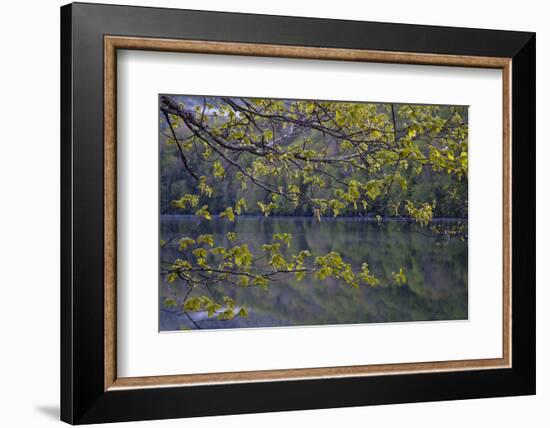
x,y
29,215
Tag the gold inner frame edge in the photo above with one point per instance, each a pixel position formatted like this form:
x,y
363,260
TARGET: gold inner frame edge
x,y
113,43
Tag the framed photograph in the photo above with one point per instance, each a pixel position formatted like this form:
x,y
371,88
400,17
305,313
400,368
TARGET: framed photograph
x,y
265,213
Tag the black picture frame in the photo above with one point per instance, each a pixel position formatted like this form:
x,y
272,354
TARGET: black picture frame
x,y
83,398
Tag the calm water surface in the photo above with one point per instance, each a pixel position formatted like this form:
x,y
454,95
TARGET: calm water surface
x,y
436,270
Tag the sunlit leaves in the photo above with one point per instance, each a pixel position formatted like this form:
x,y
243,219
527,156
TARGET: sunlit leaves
x,y
300,275
399,278
240,206
185,242
346,145
367,276
267,208
336,206
243,281
228,310
200,253
241,267
186,200
202,303
204,188
260,281
426,135
206,239
278,262
228,213
180,264
260,168
422,213
332,265
242,313
203,212
170,302
218,250
242,257
284,237
402,181
305,151
373,188
207,152
218,169
272,248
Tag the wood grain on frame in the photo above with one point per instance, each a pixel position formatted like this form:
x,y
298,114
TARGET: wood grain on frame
x,y
110,213
112,43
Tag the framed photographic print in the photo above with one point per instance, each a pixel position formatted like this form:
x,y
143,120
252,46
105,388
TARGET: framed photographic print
x,y
273,213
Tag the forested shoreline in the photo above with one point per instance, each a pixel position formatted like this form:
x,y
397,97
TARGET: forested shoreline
x,y
442,189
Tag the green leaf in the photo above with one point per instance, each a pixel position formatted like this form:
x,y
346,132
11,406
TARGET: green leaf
x,y
203,212
200,253
240,206
284,237
399,278
228,213
204,188
170,302
218,169
206,239
185,242
300,275
186,200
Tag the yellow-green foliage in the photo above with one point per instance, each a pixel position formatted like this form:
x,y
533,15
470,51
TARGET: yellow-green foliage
x,y
242,156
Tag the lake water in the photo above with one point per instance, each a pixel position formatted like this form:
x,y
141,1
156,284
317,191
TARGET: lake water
x,y
436,270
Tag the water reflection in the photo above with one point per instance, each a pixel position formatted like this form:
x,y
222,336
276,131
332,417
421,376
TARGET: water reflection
x,y
437,274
